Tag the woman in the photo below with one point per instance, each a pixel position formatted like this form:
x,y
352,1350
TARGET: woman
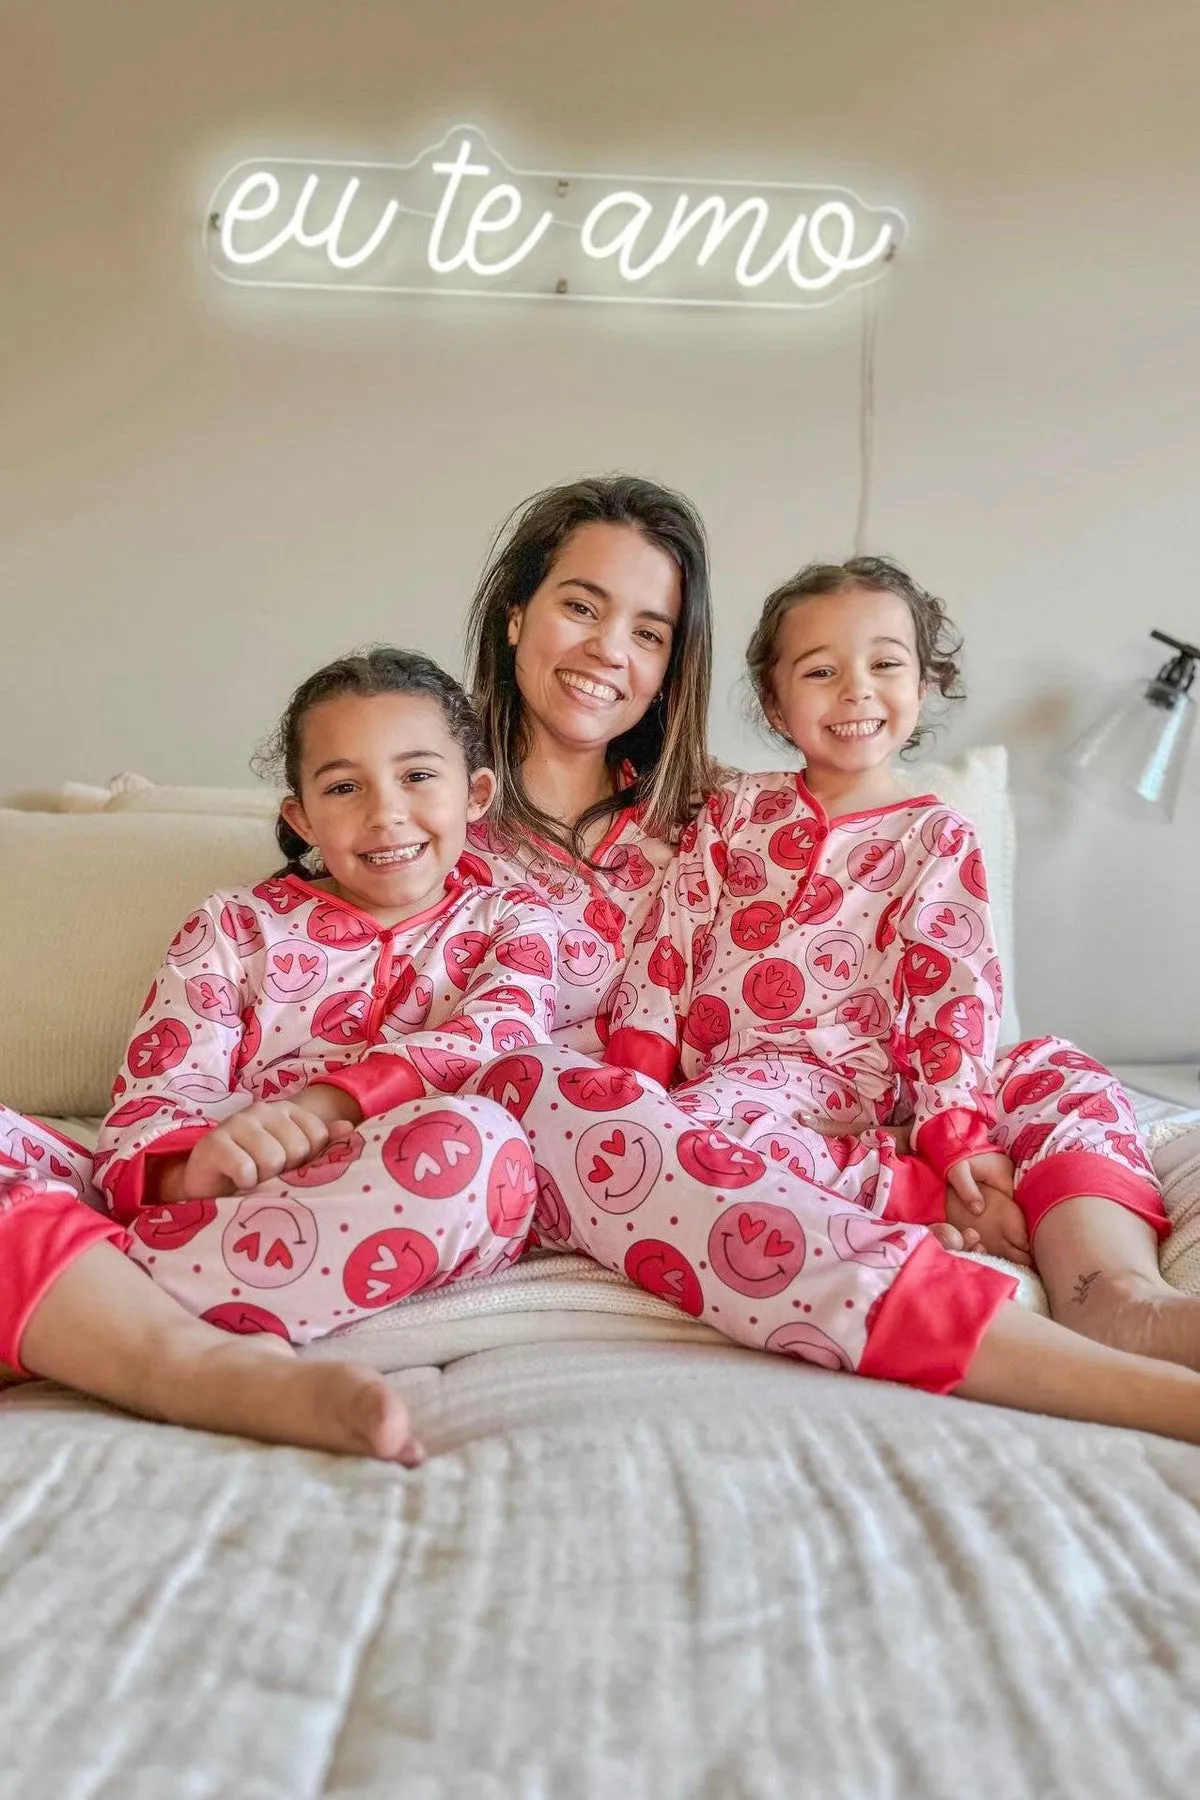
x,y
590,639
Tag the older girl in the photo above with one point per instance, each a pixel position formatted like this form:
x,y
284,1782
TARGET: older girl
x,y
288,1146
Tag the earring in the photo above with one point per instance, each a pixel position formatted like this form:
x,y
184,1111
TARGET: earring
x,y
312,861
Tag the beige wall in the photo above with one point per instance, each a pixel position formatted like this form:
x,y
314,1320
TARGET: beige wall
x,y
204,493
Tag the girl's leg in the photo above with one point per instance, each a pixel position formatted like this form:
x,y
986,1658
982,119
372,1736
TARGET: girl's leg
x,y
431,1192
733,1235
1094,1208
75,1310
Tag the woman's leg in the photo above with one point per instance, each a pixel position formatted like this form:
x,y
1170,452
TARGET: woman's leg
x,y
1092,1203
733,1234
73,1309
431,1192
776,1262
809,1121
1034,1365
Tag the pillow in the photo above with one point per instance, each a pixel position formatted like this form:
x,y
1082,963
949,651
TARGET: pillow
x,y
133,793
976,784
88,905
136,793
1176,1149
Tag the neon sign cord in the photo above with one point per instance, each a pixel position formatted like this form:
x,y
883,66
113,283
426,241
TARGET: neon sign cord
x,y
866,417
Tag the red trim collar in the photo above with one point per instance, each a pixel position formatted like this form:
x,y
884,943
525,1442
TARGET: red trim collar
x,y
456,883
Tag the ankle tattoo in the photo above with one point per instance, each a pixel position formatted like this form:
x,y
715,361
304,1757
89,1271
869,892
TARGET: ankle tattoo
x,y
1083,1287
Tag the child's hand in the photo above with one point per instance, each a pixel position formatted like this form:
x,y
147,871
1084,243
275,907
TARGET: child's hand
x,y
979,1200
972,1175
265,1140
951,1238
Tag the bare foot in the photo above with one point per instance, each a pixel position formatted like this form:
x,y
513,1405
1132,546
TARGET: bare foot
x,y
262,1390
1134,1312
103,1328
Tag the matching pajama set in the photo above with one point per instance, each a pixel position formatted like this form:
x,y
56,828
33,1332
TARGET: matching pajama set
x,y
732,1232
262,993
841,974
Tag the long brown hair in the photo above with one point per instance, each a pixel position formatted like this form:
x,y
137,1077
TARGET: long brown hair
x,y
667,747
938,644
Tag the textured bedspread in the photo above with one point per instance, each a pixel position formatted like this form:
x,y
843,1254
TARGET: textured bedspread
x,y
662,1569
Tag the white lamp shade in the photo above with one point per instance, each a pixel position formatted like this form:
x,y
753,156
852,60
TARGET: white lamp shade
x,y
1134,754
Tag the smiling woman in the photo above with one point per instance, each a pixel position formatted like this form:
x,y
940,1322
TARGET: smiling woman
x,y
591,642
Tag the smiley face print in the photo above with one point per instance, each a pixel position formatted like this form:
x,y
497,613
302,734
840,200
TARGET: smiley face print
x,y
294,971
618,1163
269,1243
756,1249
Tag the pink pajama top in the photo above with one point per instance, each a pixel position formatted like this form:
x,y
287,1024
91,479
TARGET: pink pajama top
x,y
601,909
267,990
861,946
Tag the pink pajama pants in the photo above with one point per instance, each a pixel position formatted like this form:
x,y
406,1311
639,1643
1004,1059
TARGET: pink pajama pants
x,y
1062,1118
733,1237
434,1191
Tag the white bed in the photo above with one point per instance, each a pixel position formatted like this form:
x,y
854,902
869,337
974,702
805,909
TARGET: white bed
x,y
640,1563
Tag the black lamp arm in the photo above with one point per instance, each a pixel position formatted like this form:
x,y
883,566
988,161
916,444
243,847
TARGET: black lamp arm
x,y
1175,678
1189,650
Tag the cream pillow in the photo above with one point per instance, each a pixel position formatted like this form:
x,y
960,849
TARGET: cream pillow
x,y
976,784
134,793
88,905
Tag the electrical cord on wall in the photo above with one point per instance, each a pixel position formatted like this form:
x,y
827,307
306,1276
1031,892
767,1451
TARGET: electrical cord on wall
x,y
866,414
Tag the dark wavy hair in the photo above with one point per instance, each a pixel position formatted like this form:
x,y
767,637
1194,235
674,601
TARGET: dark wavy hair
x,y
377,669
938,643
667,748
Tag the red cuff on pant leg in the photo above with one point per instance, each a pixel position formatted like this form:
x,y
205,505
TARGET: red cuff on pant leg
x,y
916,1193
1073,1173
931,1319
41,1232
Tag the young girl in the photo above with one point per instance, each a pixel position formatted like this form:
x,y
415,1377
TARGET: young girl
x,y
288,1146
826,956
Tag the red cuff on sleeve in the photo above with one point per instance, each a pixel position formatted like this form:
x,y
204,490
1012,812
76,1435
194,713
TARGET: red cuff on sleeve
x,y
916,1193
645,1052
378,1083
125,1182
947,1137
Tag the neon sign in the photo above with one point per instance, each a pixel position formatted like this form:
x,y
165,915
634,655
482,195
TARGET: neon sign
x,y
458,220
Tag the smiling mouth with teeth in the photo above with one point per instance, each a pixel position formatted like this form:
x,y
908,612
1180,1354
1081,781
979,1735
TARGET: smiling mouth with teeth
x,y
389,859
856,728
582,684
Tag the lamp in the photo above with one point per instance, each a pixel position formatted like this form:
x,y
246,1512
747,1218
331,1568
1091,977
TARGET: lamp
x,y
1136,751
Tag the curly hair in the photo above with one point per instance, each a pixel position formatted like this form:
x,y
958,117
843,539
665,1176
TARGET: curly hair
x,y
938,643
377,669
